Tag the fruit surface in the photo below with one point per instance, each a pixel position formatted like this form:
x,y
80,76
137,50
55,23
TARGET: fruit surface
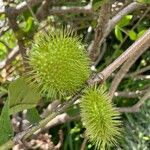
x,y
100,118
59,63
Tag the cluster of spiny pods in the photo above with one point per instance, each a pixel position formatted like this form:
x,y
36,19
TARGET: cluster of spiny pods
x,y
60,67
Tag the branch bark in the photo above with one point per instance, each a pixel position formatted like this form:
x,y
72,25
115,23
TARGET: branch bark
x,y
23,6
13,53
12,16
108,25
136,107
141,44
128,9
104,16
142,70
127,65
129,94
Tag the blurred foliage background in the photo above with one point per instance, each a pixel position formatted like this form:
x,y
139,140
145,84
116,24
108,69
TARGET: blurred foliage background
x,y
136,134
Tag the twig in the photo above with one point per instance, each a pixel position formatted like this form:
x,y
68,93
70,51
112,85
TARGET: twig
x,y
64,10
3,31
23,6
140,45
141,48
136,107
142,77
57,11
12,16
128,9
129,94
13,53
110,25
42,11
61,139
100,31
140,19
60,119
83,146
104,47
138,72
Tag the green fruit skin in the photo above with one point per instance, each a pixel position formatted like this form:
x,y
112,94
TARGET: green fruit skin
x,y
100,118
60,64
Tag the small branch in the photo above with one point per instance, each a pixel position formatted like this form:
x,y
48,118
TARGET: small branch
x,y
104,16
60,119
61,139
141,44
55,11
83,146
141,48
143,99
24,6
134,27
42,11
3,31
12,16
64,10
107,27
136,107
145,69
130,94
104,47
11,56
128,9
142,77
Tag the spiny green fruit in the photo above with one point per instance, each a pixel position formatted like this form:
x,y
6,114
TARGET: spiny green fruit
x,y
59,63
100,118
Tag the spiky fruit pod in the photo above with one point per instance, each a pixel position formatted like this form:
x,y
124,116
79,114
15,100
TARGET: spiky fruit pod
x,y
100,118
59,63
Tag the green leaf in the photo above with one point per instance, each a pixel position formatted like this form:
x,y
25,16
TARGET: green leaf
x,y
125,21
29,24
6,131
118,33
144,1
22,96
132,35
33,115
141,33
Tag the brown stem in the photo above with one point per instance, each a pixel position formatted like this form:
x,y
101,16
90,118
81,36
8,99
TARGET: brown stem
x,y
104,16
127,65
13,53
138,46
12,16
136,107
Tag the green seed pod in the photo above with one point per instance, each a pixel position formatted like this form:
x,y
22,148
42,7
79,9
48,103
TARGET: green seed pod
x,y
100,118
59,63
